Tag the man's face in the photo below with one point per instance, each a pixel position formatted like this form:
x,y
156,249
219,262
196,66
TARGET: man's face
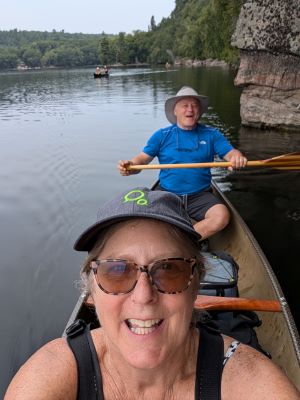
x,y
187,112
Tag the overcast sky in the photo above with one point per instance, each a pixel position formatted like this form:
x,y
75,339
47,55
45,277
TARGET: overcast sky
x,y
87,16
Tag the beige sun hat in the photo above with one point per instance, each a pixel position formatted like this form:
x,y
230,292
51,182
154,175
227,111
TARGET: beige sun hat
x,y
185,91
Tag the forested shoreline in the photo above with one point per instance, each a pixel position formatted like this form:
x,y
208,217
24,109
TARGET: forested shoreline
x,y
196,29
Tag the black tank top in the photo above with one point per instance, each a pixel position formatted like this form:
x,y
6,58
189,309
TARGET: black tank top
x,y
89,387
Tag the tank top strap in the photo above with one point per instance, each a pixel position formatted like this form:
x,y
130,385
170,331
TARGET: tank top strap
x,y
209,365
89,383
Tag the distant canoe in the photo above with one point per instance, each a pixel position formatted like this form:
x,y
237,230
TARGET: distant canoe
x,y
101,75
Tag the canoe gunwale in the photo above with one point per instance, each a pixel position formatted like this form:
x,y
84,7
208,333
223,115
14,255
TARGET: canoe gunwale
x,y
74,315
274,281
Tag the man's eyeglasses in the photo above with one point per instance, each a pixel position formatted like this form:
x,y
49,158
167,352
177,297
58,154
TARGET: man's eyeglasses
x,y
170,275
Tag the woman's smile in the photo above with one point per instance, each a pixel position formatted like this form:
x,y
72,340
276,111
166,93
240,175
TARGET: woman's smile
x,y
143,327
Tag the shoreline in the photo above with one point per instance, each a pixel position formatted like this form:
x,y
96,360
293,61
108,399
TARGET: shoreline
x,y
179,62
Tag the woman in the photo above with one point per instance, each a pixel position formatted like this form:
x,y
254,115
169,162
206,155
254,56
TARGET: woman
x,y
142,273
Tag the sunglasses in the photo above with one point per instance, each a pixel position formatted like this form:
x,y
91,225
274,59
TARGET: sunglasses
x,y
170,275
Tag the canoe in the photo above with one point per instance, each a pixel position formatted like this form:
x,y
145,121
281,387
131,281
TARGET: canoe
x,y
278,334
101,75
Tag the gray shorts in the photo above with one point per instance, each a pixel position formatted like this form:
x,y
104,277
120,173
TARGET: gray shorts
x,y
197,204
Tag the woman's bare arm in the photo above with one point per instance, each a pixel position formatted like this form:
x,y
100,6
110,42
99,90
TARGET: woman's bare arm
x,y
50,373
249,375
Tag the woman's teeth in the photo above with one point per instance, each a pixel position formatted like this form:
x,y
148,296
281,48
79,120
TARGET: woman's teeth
x,y
142,327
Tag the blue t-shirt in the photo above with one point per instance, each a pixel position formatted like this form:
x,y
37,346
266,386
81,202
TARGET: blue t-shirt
x,y
173,145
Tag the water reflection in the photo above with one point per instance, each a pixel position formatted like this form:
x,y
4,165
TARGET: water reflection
x,y
268,143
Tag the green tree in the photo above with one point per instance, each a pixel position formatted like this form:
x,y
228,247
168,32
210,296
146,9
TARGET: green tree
x,y
68,56
49,58
31,56
8,58
104,53
90,53
120,49
152,26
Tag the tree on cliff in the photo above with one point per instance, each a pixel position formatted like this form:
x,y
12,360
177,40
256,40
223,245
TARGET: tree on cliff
x,y
152,26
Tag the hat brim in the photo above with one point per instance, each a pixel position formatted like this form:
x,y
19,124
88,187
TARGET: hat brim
x,y
170,104
88,238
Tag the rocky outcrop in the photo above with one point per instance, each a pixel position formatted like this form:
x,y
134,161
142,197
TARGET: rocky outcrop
x,y
268,34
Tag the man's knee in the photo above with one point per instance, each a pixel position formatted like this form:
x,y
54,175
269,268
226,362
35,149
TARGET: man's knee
x,y
219,216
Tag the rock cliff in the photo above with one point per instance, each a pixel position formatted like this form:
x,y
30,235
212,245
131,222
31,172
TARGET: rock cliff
x,y
268,36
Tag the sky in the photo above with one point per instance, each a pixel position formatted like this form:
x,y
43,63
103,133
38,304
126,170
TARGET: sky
x,y
88,16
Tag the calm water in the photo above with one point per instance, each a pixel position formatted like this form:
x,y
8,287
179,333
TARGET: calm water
x,y
61,135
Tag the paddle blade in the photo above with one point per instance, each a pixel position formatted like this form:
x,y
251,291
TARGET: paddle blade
x,y
295,168
289,157
290,161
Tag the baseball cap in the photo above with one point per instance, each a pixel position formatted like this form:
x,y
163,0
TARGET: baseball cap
x,y
140,202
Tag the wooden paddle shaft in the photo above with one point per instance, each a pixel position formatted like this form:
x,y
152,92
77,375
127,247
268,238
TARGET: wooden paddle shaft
x,y
220,164
236,303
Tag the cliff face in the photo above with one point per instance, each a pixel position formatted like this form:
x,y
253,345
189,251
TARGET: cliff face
x,y
268,36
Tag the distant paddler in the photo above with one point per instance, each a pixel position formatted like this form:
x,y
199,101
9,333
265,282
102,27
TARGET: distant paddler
x,y
98,71
187,141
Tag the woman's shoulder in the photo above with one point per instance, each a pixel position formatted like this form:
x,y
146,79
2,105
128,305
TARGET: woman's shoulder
x,y
249,374
50,373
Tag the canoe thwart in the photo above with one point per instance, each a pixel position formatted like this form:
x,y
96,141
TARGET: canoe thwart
x,y
236,303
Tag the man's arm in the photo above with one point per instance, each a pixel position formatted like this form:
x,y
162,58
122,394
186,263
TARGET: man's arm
x,y
141,158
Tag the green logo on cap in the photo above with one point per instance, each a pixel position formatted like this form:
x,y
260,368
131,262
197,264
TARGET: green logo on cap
x,y
136,195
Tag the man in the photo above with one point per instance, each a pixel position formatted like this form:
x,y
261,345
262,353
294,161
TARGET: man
x,y
187,141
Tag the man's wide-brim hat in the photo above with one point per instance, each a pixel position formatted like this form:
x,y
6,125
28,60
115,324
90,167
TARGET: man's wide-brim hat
x,y
185,91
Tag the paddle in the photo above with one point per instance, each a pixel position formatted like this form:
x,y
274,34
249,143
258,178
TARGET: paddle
x,y
290,161
226,303
235,303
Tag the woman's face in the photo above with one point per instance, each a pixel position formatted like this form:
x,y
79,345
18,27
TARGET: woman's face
x,y
144,327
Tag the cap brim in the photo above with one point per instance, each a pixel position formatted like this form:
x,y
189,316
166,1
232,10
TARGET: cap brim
x,y
88,238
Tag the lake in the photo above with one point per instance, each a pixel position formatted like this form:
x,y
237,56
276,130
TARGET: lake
x,y
61,135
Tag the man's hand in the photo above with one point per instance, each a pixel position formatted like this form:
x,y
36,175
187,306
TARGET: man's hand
x,y
236,158
141,158
123,168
